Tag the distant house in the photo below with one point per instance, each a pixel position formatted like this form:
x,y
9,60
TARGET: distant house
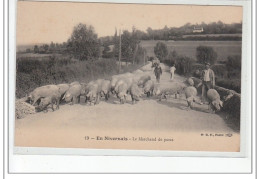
x,y
197,29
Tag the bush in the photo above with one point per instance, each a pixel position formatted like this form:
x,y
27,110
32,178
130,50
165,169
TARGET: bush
x,y
233,63
234,84
171,58
169,61
206,54
233,66
161,51
33,73
220,70
183,64
196,69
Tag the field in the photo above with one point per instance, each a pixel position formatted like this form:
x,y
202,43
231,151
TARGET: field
x,y
188,48
213,35
35,55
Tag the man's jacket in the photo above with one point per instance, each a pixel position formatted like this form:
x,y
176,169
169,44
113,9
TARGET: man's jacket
x,y
211,76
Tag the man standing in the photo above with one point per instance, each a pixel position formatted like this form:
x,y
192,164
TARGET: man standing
x,y
208,80
172,70
158,72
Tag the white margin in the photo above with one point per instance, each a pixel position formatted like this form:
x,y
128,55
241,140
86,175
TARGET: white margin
x,y
26,163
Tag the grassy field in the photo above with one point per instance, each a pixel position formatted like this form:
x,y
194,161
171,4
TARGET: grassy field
x,y
213,35
188,48
35,55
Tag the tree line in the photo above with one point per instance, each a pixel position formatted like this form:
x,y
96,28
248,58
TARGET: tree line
x,y
169,33
85,44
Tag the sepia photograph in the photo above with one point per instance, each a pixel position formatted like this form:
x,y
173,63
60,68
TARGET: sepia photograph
x,y
128,76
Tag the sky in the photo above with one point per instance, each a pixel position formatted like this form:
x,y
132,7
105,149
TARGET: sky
x,y
44,22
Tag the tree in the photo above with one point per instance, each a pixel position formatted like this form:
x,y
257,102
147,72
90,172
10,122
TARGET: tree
x,y
36,49
46,47
129,45
83,43
206,54
116,45
107,52
150,33
127,48
161,51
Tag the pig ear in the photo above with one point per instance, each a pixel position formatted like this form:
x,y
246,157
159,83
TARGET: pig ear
x,y
64,96
221,103
190,99
29,96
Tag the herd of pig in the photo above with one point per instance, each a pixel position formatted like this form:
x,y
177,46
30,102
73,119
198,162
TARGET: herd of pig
x,y
134,84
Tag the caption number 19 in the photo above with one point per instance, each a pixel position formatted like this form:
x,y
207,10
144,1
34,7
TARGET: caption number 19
x,y
86,137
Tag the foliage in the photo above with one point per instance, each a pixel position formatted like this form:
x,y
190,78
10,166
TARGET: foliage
x,y
183,64
36,49
32,73
196,69
232,84
220,70
131,51
206,54
234,63
128,45
171,58
140,56
161,51
107,52
83,43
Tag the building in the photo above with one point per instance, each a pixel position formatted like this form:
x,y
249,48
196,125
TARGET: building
x,y
197,29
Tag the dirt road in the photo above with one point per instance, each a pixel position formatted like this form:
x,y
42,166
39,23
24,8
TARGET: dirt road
x,y
149,124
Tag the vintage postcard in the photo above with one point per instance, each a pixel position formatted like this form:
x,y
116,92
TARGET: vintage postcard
x,y
133,77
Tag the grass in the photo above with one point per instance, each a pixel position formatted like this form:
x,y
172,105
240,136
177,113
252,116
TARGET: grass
x,y
35,55
188,48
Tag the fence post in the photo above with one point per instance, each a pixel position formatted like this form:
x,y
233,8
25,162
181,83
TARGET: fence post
x,y
119,56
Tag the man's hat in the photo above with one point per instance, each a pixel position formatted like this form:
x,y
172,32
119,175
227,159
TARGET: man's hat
x,y
207,63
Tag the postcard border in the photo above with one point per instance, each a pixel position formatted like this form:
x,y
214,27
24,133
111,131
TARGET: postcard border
x,y
8,72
